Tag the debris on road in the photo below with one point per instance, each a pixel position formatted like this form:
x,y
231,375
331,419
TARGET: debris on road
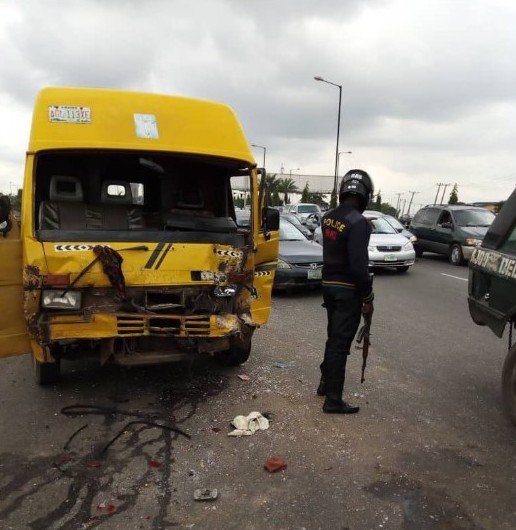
x,y
274,464
206,495
106,508
248,425
244,377
154,463
283,364
73,435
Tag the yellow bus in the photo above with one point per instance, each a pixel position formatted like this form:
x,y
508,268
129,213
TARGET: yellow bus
x,y
128,245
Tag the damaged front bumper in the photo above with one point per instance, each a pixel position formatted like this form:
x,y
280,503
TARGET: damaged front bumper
x,y
112,325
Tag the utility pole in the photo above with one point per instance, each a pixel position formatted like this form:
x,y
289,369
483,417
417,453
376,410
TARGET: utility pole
x,y
444,191
403,207
398,202
411,198
439,184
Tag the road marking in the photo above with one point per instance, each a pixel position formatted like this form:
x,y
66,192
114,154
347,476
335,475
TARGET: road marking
x,y
456,277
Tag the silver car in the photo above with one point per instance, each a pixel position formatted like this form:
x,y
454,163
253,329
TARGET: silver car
x,y
387,248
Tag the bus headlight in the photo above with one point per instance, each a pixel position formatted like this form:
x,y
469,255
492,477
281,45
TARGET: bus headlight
x,y
55,299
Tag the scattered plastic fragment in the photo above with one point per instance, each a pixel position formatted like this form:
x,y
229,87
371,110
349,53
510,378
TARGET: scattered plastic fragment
x,y
94,463
275,464
244,377
248,425
282,364
205,495
106,508
154,463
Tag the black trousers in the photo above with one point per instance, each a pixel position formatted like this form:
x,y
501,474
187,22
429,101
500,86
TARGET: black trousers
x,y
344,308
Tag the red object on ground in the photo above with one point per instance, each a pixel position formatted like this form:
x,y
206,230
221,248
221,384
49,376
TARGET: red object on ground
x,y
154,463
274,464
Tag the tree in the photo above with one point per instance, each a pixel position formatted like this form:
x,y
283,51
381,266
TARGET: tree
x,y
287,185
333,199
387,209
275,199
271,185
454,195
378,201
305,196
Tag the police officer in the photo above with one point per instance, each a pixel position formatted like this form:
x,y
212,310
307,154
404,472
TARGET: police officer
x,y
347,285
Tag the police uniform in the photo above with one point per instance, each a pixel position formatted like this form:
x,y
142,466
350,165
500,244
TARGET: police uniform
x,y
347,285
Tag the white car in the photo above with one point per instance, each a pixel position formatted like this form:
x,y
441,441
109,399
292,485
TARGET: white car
x,y
302,210
387,248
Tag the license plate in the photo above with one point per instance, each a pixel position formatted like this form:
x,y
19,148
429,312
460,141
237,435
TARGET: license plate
x,y
314,274
390,257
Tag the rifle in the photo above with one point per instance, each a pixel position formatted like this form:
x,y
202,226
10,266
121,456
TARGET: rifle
x,y
363,336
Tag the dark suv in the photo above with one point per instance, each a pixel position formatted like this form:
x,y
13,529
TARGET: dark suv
x,y
454,231
492,291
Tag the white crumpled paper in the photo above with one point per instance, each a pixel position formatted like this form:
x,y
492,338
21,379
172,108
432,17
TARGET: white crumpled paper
x,y
247,425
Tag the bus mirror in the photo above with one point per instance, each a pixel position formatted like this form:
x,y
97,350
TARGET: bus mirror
x,y
272,218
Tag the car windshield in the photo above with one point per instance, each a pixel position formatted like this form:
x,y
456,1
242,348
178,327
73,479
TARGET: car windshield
x,y
288,232
394,222
473,217
381,226
307,208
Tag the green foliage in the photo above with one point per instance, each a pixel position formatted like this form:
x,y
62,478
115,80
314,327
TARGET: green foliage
x,y
275,199
333,199
305,196
286,185
454,195
378,201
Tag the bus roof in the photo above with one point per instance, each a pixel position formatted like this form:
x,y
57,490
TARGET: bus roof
x,y
92,118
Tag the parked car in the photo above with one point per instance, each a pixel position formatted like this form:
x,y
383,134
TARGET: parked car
x,y
243,218
394,223
300,261
297,223
492,291
454,231
302,210
387,248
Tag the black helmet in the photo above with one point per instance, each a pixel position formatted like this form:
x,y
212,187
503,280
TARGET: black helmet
x,y
358,183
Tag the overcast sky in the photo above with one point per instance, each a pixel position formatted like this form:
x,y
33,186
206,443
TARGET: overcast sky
x,y
429,88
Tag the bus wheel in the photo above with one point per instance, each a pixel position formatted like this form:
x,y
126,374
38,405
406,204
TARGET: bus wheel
x,y
238,352
509,385
47,373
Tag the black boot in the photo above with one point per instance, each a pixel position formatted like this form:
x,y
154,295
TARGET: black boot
x,y
321,389
333,404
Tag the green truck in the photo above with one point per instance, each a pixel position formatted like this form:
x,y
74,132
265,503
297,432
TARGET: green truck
x,y
492,291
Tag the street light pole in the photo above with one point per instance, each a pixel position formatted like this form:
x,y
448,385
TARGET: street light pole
x,y
319,78
338,159
264,151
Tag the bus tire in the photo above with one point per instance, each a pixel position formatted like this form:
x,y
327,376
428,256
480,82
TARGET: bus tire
x,y
47,373
238,352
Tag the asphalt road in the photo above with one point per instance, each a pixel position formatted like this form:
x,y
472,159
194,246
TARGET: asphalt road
x,y
429,448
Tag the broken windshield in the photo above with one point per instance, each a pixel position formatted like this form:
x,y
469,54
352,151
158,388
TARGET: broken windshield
x,y
112,196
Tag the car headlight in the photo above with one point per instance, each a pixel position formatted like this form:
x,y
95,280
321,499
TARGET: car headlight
x,y
472,242
408,246
371,249
283,265
57,300
413,239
